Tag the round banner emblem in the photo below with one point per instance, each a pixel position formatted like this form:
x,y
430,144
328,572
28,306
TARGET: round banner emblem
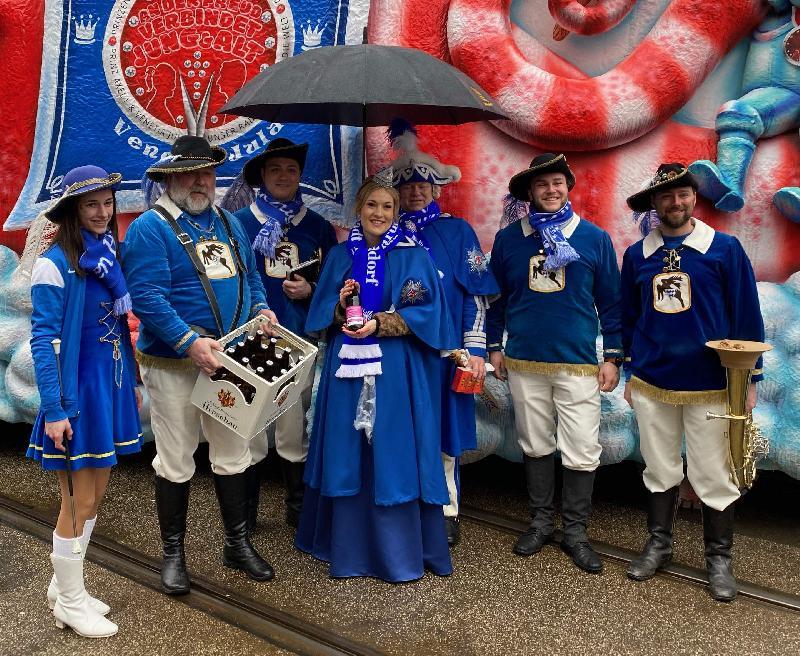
x,y
162,57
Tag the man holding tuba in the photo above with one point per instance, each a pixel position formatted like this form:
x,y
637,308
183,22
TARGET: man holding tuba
x,y
683,285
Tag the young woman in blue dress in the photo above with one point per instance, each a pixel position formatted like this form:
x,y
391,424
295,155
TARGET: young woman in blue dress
x,y
89,400
374,475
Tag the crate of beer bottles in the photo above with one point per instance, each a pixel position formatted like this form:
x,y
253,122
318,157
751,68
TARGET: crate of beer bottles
x,y
262,375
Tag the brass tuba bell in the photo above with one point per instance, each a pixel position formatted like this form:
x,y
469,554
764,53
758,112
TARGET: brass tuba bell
x,y
747,444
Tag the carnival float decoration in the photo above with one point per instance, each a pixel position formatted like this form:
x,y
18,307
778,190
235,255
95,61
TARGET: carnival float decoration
x,y
620,85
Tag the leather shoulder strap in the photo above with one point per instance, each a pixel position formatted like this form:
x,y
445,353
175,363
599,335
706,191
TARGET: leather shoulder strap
x,y
188,245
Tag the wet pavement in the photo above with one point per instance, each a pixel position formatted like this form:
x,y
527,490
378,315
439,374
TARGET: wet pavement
x,y
149,622
494,603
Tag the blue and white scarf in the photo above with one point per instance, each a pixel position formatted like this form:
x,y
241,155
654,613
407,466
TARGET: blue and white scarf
x,y
100,258
278,214
414,222
556,247
362,357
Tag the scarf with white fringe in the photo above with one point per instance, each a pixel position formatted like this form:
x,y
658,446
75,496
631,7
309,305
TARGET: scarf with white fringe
x,y
362,357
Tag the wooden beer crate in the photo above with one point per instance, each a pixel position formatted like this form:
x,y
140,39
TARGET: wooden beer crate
x,y
225,402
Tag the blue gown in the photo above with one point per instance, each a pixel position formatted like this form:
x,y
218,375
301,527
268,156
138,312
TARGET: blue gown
x,y
108,424
374,509
457,254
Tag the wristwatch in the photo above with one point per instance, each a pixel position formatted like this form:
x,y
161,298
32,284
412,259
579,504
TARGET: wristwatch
x,y
614,360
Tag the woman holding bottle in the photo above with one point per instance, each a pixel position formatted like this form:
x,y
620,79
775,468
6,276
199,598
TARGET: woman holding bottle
x,y
374,476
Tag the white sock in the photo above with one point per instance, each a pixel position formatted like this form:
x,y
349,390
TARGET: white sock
x,y
88,527
63,547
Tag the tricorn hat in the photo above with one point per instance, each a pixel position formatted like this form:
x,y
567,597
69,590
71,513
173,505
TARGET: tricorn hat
x,y
668,176
279,147
79,181
189,153
413,164
520,184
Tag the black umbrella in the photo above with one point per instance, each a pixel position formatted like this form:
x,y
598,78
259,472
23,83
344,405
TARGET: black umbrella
x,y
363,85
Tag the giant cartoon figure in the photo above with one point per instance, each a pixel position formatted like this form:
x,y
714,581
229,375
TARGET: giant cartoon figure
x,y
770,105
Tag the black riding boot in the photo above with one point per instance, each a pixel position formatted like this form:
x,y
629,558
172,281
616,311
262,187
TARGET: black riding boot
x,y
576,504
540,475
172,502
253,473
718,538
238,553
657,551
295,488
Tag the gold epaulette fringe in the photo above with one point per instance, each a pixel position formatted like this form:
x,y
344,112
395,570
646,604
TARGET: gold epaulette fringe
x,y
172,364
677,397
549,368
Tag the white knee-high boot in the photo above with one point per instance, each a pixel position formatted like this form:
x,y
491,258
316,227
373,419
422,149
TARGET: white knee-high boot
x,y
52,589
72,605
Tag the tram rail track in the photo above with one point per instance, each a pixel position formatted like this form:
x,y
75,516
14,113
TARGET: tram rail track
x,y
294,633
683,573
278,627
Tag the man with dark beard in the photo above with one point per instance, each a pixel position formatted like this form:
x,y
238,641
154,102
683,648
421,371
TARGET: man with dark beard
x,y
184,305
684,284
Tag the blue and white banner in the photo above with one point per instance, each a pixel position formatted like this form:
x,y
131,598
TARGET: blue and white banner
x,y
122,80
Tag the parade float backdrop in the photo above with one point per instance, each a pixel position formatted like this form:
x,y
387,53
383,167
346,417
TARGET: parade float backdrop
x,y
619,85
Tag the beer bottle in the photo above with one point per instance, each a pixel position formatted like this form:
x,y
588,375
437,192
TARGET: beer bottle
x,y
354,314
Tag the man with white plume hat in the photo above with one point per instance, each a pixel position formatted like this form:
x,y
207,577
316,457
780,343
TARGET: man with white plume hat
x,y
468,283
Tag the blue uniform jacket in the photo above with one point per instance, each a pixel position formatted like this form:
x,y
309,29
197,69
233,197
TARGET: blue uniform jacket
x,y
57,295
167,294
305,236
552,317
665,331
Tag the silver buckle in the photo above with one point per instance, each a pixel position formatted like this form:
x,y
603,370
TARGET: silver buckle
x,y
185,239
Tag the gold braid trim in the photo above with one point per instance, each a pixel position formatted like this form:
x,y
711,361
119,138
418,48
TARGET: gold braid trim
x,y
673,397
392,324
183,340
172,364
549,368
112,179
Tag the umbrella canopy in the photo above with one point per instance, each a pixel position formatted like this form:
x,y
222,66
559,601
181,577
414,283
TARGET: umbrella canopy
x,y
363,85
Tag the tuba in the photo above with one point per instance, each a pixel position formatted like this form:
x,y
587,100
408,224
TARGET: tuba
x,y
747,444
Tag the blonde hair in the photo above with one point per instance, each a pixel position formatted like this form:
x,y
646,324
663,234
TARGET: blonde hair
x,y
365,191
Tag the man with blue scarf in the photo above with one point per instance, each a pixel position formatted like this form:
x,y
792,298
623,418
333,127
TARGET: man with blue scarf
x,y
558,274
468,284
285,233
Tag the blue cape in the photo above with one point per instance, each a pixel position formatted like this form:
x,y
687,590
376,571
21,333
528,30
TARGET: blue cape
x,y
406,444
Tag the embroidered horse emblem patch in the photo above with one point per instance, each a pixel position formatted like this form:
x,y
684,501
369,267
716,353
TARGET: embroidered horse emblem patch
x,y
543,281
672,292
413,292
477,261
217,259
287,257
